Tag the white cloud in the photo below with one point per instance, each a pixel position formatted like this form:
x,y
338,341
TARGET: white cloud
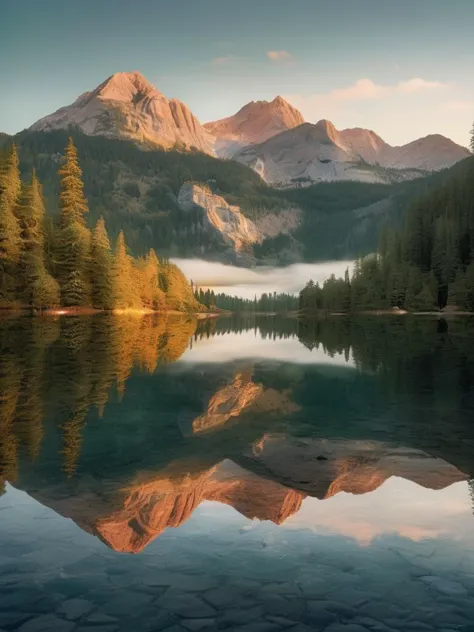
x,y
362,90
460,106
279,55
417,84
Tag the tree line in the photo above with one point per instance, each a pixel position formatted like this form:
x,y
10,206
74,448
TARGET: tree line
x,y
266,303
46,263
428,264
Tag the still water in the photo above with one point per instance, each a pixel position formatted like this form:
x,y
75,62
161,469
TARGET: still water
x,y
252,475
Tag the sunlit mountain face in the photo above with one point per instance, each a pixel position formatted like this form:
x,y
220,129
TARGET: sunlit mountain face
x,y
267,474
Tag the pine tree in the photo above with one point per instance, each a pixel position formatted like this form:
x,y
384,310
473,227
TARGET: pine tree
x,y
36,286
458,291
101,267
148,269
72,201
124,291
73,241
10,187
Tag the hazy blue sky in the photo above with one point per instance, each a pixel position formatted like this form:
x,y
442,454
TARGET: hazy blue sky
x,y
403,68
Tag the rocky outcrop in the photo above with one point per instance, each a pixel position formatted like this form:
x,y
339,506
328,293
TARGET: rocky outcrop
x,y
229,225
255,123
225,220
316,153
127,106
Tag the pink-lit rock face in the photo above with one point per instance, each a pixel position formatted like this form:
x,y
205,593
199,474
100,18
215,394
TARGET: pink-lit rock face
x,y
255,123
127,106
320,152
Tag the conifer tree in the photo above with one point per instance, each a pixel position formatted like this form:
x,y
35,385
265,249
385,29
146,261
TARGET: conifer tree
x,y
72,201
36,286
124,291
73,239
10,187
101,267
148,270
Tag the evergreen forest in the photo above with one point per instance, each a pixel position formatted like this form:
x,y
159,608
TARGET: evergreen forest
x,y
136,192
266,303
426,265
50,261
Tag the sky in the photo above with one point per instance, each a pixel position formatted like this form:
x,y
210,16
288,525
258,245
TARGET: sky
x,y
401,68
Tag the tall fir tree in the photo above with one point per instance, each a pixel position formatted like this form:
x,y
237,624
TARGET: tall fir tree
x,y
73,241
124,291
10,248
101,267
36,286
72,201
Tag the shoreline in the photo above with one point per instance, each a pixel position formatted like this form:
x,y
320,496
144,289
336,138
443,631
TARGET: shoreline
x,y
387,312
90,311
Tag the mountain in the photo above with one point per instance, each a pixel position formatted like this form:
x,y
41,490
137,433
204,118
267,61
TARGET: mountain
x,y
318,153
127,106
149,195
255,123
271,137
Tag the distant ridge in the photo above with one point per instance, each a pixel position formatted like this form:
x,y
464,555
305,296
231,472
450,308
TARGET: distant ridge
x,y
269,136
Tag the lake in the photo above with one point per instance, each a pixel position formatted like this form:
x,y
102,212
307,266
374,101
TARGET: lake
x,y
252,474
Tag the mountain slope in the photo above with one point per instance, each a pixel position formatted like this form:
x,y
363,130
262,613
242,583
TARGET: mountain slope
x,y
255,123
318,153
138,191
4,138
127,106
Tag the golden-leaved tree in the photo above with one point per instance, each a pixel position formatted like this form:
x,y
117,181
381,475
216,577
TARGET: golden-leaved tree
x,y
10,247
37,287
73,240
46,264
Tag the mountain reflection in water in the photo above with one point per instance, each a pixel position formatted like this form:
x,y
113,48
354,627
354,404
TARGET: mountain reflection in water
x,y
128,425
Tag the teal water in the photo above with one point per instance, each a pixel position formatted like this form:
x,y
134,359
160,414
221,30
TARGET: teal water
x,y
239,474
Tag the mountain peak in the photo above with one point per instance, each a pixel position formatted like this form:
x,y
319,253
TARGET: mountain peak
x,y
126,105
125,86
254,123
327,128
280,101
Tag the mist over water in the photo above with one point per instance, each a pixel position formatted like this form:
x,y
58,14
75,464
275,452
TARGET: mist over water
x,y
245,282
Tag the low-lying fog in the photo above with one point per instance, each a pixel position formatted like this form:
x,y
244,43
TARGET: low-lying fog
x,y
246,283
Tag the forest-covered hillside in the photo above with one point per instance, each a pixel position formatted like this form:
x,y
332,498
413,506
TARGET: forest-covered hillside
x,y
58,261
136,191
426,264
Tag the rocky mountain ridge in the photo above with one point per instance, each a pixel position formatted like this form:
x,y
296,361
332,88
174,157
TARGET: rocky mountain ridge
x,y
320,153
127,106
269,136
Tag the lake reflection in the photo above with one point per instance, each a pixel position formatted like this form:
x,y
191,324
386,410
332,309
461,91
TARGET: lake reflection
x,y
269,474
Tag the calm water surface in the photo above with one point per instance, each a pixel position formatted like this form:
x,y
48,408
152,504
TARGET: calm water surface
x,y
253,475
